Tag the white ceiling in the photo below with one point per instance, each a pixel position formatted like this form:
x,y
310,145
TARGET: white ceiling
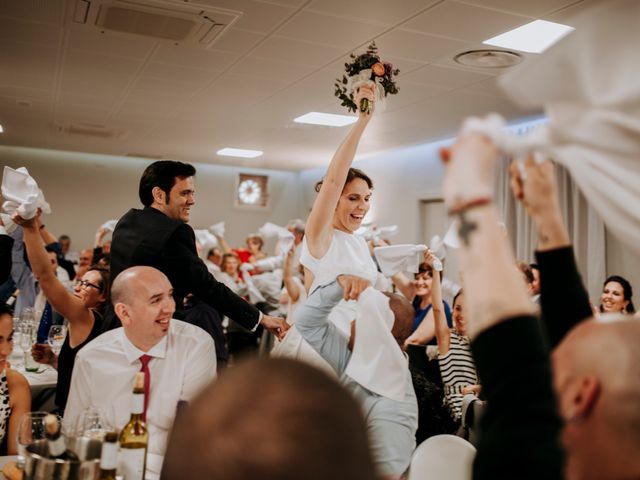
x,y
278,61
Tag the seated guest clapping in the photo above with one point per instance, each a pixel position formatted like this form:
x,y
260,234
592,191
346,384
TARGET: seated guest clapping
x,y
179,358
369,362
270,419
15,395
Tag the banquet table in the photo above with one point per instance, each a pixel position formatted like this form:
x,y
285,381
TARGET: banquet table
x,y
42,383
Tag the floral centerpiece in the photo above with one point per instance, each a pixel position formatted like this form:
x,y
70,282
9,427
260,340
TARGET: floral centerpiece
x,y
365,68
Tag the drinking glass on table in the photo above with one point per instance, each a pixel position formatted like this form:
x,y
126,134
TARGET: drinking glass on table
x,y
26,341
30,429
93,423
57,334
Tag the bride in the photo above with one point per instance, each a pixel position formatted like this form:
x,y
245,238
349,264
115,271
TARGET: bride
x,y
329,247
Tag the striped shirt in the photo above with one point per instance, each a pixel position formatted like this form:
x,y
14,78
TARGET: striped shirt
x,y
458,370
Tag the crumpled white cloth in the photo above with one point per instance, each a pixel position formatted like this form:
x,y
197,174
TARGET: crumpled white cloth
x,y
437,246
109,225
9,226
402,258
593,111
254,294
399,258
451,238
377,363
217,229
296,347
205,239
373,232
285,237
22,194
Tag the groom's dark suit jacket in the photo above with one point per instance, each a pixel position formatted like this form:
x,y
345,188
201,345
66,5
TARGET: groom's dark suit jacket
x,y
149,237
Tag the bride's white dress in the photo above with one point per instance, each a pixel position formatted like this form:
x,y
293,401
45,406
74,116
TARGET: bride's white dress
x,y
347,254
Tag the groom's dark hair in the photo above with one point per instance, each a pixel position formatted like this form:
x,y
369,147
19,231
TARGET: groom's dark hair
x,y
162,174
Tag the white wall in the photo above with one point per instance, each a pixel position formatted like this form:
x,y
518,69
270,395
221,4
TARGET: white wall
x,y
85,190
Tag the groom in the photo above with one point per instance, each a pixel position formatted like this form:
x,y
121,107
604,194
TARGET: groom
x,y
159,236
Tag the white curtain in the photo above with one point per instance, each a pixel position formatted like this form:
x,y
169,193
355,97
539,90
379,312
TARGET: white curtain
x,y
586,228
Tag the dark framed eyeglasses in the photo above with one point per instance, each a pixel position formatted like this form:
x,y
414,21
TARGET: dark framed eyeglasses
x,y
87,283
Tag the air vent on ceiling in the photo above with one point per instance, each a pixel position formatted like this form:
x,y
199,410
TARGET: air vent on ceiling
x,y
488,58
179,23
91,130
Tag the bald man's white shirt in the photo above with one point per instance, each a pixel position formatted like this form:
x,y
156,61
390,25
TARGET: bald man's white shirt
x,y
183,362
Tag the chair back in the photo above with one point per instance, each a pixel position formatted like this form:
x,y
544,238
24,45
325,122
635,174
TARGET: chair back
x,y
443,457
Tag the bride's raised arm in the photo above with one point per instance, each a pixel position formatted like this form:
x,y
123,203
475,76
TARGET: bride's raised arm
x,y
318,231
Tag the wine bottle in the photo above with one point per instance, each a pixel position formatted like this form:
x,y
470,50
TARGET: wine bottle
x,y
109,456
134,437
12,299
57,447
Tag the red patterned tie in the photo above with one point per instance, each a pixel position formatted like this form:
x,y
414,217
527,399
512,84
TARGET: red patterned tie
x,y
144,360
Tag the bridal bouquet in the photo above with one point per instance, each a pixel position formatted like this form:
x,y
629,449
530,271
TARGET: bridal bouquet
x,y
365,68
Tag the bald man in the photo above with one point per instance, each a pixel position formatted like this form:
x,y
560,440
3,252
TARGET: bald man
x,y
596,373
180,357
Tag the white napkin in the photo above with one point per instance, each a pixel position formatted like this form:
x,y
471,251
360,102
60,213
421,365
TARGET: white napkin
x,y
399,258
373,232
295,346
436,245
206,239
9,226
451,238
593,110
22,194
109,225
269,264
217,229
285,237
377,363
254,294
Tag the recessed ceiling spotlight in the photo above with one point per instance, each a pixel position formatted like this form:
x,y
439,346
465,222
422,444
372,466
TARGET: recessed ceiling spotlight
x,y
488,58
328,119
239,152
534,37
1,129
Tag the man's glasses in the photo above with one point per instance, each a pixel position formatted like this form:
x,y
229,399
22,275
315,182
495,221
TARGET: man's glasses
x,y
87,283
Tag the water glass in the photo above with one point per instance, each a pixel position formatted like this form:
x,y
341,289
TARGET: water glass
x,y
30,429
93,423
57,334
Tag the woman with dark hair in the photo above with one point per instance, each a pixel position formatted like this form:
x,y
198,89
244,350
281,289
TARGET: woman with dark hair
x,y
616,295
329,247
457,367
83,308
15,394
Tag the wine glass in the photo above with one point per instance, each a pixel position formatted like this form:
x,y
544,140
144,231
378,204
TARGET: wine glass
x,y
25,337
93,423
30,429
57,334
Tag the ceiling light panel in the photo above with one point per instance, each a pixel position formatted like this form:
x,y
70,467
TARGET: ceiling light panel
x,y
534,37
